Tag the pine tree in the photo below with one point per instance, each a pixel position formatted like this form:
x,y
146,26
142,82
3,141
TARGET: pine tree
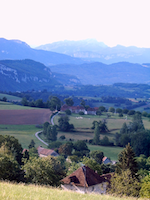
x,y
32,144
127,160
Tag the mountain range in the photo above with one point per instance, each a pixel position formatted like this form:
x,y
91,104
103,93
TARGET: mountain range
x,y
17,50
24,68
91,50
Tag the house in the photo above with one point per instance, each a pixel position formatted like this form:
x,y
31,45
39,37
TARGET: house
x,y
73,109
46,152
106,160
91,111
85,180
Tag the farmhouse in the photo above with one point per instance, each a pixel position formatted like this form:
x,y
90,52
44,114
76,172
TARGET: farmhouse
x,y
106,160
85,180
73,109
46,152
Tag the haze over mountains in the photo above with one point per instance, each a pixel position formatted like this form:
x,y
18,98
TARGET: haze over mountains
x,y
27,68
92,50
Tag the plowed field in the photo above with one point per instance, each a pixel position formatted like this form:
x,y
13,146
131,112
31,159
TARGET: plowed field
x,y
34,116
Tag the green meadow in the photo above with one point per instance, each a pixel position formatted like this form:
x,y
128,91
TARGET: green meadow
x,y
10,191
11,106
24,133
10,97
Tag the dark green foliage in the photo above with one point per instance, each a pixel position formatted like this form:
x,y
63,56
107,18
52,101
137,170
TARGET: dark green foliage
x,y
66,149
45,126
81,148
39,103
32,144
97,156
24,101
92,164
64,125
125,181
62,137
69,101
141,142
124,129
45,171
124,184
127,160
12,144
96,139
102,126
120,115
51,133
111,109
105,142
68,112
55,144
10,169
55,103
119,110
33,153
98,112
81,113
102,109
131,112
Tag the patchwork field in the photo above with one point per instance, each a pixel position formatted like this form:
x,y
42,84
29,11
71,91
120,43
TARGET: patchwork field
x,y
32,116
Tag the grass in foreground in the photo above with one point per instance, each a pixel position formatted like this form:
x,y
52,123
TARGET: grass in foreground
x,y
11,191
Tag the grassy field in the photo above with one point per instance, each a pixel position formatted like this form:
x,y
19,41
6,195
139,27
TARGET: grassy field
x,y
10,97
11,106
9,191
24,133
110,152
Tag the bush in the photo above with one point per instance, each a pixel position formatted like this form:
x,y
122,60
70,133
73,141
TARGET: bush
x,y
68,112
62,137
81,113
54,145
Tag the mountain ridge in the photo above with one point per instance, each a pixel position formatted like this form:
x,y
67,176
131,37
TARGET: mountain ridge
x,y
92,50
17,50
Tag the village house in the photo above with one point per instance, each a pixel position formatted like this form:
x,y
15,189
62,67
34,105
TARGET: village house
x,y
85,180
73,109
46,152
106,160
91,111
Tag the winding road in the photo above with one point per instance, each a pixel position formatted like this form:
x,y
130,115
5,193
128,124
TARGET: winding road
x,y
36,134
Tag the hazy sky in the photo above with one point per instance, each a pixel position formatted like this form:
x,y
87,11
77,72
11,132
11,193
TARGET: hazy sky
x,y
36,22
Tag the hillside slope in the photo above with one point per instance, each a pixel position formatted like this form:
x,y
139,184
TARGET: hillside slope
x,y
100,73
22,75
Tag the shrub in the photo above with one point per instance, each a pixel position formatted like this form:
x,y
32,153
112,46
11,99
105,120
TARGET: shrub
x,y
81,113
68,112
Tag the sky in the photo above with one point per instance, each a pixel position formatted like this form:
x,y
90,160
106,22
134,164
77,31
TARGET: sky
x,y
37,22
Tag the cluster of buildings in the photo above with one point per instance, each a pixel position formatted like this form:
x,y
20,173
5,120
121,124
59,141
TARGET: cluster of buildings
x,y
77,109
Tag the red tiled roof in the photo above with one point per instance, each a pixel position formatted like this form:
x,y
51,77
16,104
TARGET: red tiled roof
x,y
84,176
104,158
45,152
